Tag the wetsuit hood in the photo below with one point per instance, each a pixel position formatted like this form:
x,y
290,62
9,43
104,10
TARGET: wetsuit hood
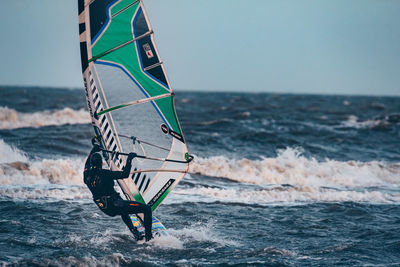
x,y
96,161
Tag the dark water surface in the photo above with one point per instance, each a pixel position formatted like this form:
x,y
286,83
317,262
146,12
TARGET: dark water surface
x,y
278,180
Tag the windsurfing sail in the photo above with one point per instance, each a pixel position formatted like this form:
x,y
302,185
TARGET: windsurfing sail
x,y
130,99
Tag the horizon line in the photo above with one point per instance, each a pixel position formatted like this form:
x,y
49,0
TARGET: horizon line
x,y
219,91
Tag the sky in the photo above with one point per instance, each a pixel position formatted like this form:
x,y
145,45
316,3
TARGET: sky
x,y
283,46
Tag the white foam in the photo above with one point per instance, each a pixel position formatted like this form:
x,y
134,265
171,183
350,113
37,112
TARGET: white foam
x,y
10,154
46,179
12,119
37,179
288,195
354,122
167,242
310,180
202,233
50,193
291,167
47,171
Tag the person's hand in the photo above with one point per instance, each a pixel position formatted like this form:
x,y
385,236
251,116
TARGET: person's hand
x,y
131,156
94,141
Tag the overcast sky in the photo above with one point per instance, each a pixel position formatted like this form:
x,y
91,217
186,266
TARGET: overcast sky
x,y
286,46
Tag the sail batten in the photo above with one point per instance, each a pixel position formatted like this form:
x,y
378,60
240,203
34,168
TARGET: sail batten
x,y
129,95
140,101
125,8
119,46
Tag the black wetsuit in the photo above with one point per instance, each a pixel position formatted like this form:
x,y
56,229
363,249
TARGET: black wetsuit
x,y
101,184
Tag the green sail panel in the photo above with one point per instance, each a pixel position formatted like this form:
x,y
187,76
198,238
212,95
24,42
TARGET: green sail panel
x,y
130,98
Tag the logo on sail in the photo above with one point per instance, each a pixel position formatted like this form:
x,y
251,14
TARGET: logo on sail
x,y
161,192
148,50
164,128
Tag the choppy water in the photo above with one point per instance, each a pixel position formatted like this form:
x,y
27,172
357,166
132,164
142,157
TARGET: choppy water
x,y
277,180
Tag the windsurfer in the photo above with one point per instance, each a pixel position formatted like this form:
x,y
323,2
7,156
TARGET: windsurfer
x,y
101,183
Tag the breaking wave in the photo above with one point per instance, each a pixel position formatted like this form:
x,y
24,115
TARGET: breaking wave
x,y
291,167
292,177
10,154
12,119
16,169
288,178
39,179
289,195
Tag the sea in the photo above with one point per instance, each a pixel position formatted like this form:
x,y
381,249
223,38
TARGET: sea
x,y
277,180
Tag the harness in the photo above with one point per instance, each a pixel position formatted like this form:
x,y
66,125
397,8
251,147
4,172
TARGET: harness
x,y
102,202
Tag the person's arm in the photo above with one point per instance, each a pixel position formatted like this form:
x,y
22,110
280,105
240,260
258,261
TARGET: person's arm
x,y
126,170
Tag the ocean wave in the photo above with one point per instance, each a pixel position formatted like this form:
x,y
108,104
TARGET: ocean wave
x,y
22,178
115,259
288,178
291,167
98,239
49,193
200,232
293,178
384,122
46,171
11,154
291,195
12,119
212,122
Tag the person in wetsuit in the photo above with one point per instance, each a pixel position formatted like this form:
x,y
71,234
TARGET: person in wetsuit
x,y
101,183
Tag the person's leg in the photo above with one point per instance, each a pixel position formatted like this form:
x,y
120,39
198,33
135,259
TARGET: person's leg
x,y
127,220
132,207
148,219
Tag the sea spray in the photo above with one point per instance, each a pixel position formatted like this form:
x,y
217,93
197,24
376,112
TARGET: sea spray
x,y
11,154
